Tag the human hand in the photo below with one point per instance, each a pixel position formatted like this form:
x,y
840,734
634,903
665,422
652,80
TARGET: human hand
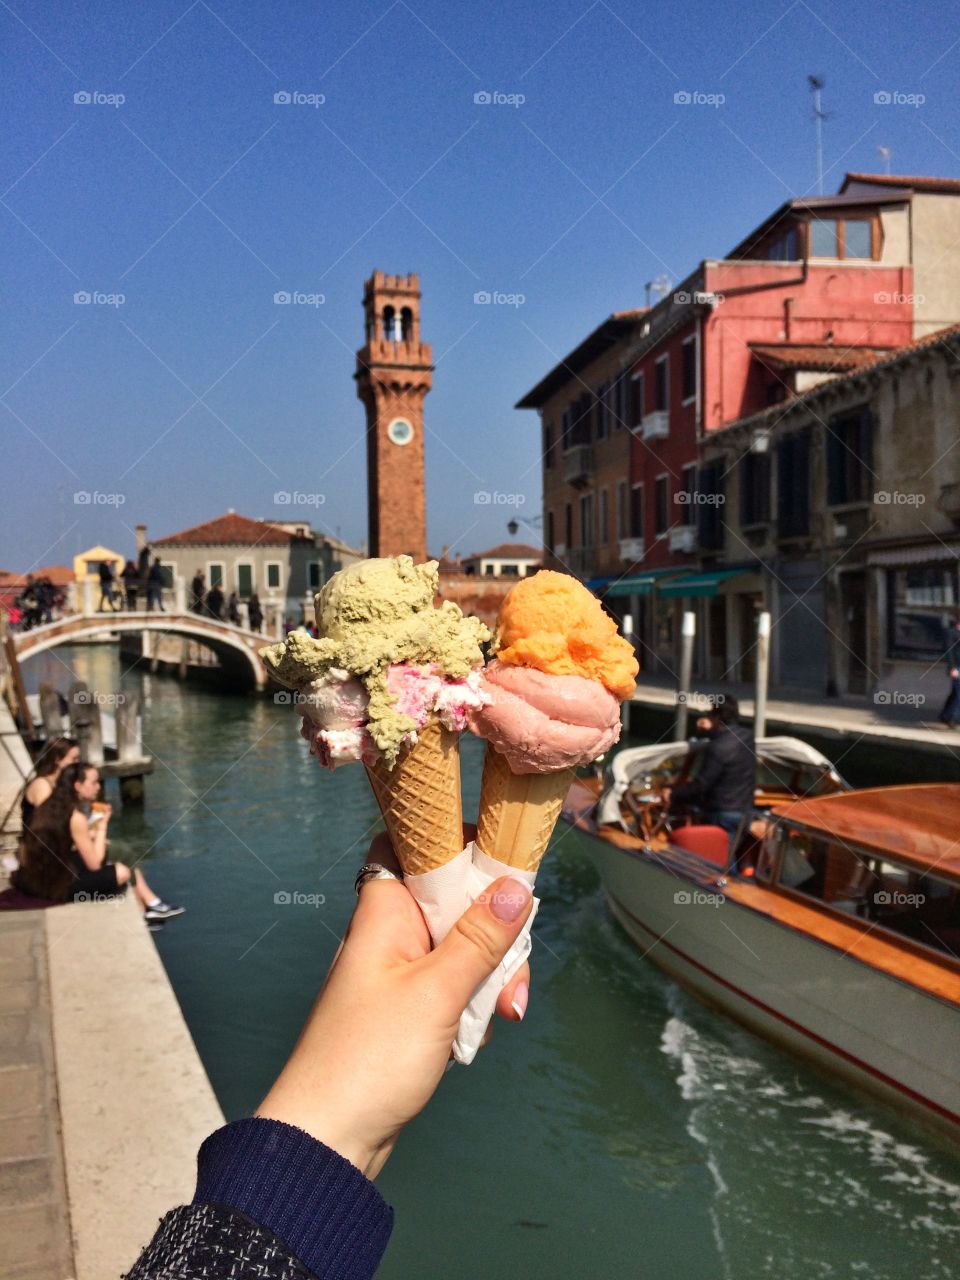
x,y
378,1039
954,673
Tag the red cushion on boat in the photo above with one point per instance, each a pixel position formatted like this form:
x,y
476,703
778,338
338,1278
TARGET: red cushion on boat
x,y
711,843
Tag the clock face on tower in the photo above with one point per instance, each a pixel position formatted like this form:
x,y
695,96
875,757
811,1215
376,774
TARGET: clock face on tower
x,y
400,431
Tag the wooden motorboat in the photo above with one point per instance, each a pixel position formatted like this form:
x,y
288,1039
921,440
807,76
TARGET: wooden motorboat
x,y
837,936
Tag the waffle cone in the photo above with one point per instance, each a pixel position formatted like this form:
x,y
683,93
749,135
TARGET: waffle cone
x,y
420,800
518,811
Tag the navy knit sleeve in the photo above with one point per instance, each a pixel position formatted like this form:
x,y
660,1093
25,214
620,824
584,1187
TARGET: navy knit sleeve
x,y
318,1204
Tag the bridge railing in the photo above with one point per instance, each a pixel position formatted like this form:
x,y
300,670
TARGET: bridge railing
x,y
84,599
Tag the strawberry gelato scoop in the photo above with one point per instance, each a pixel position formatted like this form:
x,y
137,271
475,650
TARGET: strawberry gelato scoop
x,y
542,723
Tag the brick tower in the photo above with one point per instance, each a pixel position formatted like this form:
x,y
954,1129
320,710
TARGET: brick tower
x,y
393,376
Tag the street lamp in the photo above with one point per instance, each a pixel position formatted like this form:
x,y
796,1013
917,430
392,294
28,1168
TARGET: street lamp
x,y
513,526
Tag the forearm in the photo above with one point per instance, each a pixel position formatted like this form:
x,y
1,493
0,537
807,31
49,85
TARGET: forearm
x,y
271,1195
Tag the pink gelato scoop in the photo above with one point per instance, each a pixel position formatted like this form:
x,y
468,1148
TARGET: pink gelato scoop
x,y
542,722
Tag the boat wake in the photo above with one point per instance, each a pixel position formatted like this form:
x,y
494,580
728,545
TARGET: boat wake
x,y
804,1183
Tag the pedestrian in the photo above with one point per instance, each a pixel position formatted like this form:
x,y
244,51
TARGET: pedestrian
x,y
951,652
108,579
233,609
254,612
288,626
143,565
155,587
198,589
131,585
215,601
46,597
288,1192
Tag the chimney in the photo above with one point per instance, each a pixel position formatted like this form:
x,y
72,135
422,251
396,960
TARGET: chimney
x,y
141,532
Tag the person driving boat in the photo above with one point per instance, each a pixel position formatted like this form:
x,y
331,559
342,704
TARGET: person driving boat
x,y
724,787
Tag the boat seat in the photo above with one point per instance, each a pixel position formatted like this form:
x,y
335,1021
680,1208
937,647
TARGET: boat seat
x,y
709,843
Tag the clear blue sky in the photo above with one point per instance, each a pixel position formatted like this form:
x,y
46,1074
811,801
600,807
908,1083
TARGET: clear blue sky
x,y
198,198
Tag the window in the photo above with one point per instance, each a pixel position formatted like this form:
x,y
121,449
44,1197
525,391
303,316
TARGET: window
x,y
849,457
661,392
660,498
621,388
710,507
568,525
548,457
686,495
488,570
214,573
603,532
586,520
688,369
636,511
511,570
623,509
921,600
601,410
580,413
274,569
244,581
754,488
637,406
566,427
551,534
823,238
857,240
783,248
314,575
168,571
793,485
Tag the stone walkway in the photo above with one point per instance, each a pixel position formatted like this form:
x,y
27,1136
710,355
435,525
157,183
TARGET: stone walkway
x,y
35,1239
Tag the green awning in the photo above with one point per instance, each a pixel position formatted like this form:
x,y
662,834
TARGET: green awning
x,y
693,585
641,584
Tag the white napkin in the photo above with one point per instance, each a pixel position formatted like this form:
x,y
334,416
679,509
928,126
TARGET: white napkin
x,y
443,895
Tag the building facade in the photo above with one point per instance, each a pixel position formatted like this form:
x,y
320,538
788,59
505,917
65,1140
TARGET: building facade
x,y
508,560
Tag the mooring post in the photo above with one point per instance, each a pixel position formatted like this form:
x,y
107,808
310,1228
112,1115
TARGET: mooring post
x,y
85,722
688,633
763,674
625,705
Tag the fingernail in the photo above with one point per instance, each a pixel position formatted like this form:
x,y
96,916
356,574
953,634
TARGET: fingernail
x,y
510,900
519,1002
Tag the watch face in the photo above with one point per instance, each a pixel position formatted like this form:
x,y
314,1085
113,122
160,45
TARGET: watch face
x,y
400,431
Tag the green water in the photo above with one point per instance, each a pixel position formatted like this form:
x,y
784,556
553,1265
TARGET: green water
x,y
623,1131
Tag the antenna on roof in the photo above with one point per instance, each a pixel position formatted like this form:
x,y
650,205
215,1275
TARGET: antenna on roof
x,y
816,83
661,286
885,152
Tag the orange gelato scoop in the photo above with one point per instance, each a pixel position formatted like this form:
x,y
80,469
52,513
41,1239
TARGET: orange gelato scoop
x,y
550,621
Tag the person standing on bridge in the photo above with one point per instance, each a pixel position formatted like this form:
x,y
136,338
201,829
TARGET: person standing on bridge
x,y
215,602
233,609
951,652
198,589
131,585
108,581
155,587
255,612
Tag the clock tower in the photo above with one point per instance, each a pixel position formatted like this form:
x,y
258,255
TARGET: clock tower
x,y
393,376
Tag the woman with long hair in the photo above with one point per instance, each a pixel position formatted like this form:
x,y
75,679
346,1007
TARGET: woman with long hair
x,y
58,753
63,853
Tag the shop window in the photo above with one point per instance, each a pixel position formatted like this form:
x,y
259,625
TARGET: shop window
x,y
921,602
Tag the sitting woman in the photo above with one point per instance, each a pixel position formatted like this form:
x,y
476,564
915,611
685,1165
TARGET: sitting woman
x,y
63,853
59,753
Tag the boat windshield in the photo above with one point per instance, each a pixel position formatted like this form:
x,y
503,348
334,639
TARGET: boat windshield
x,y
918,905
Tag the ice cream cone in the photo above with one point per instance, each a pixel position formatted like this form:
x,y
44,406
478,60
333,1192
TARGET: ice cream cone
x,y
420,800
518,811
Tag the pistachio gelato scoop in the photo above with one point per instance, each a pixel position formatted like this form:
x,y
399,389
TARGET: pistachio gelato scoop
x,y
370,616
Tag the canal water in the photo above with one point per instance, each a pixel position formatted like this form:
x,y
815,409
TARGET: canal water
x,y
623,1131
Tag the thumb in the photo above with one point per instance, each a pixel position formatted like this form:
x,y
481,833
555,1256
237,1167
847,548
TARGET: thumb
x,y
480,939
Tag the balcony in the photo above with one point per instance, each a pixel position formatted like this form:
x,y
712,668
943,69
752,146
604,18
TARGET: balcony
x,y
683,537
656,426
631,550
581,561
578,465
